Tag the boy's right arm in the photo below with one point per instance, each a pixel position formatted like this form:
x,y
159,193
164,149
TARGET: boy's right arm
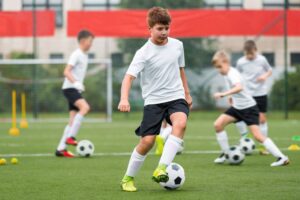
x,y
124,105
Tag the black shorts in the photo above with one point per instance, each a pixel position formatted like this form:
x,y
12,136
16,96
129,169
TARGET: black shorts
x,y
72,95
249,115
155,114
262,103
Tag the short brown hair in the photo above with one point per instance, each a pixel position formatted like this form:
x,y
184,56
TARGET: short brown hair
x,y
84,34
220,55
250,46
158,15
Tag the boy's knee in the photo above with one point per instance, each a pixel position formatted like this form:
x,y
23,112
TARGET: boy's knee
x,y
147,142
181,125
85,109
218,126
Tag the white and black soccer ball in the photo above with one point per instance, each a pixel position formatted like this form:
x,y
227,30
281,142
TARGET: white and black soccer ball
x,y
235,156
176,177
247,146
85,148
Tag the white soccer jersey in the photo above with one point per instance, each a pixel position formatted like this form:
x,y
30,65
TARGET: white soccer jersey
x,y
79,61
159,67
251,70
243,99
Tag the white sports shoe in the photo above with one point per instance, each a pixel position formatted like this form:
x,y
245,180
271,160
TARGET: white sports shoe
x,y
281,162
221,159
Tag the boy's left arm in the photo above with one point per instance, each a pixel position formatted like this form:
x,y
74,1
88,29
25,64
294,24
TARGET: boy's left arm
x,y
267,67
264,76
188,97
236,89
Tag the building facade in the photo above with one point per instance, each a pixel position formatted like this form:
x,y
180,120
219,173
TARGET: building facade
x,y
60,46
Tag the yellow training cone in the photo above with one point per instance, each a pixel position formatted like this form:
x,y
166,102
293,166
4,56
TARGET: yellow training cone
x,y
294,147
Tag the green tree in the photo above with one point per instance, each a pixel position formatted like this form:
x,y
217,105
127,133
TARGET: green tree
x,y
198,51
278,92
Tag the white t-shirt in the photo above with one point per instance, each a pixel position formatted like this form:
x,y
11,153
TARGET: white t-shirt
x,y
159,67
251,70
79,62
243,99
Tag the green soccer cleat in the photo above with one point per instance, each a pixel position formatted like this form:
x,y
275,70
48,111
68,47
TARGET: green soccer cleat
x,y
159,145
160,174
127,184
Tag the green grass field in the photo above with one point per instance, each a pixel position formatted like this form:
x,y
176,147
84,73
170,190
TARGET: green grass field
x,y
40,175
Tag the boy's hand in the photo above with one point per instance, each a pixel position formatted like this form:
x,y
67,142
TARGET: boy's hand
x,y
219,95
189,100
124,105
261,78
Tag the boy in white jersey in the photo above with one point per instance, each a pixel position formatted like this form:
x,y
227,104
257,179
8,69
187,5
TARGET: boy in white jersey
x,y
72,88
160,63
255,69
243,108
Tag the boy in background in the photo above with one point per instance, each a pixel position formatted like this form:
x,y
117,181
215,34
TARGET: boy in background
x,y
74,73
255,69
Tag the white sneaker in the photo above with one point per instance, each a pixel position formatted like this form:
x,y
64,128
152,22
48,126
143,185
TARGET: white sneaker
x,y
221,159
281,162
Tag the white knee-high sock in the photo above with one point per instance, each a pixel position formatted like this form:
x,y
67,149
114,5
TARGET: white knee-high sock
x,y
135,163
170,150
166,132
62,144
242,128
264,129
272,148
76,125
223,141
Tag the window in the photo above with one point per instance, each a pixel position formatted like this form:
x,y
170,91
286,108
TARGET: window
x,y
91,56
275,4
223,4
100,4
56,56
55,5
0,4
295,59
1,56
270,57
235,56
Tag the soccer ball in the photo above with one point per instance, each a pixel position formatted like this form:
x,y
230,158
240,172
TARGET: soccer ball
x,y
85,148
235,156
247,145
176,177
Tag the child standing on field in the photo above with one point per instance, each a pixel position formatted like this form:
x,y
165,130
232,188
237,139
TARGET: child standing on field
x,y
160,63
72,88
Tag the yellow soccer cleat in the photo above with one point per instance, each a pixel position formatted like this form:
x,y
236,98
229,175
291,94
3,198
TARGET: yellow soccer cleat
x,y
127,184
160,174
159,145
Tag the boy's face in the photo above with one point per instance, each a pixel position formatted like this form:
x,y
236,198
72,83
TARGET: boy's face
x,y
86,43
222,66
250,55
159,33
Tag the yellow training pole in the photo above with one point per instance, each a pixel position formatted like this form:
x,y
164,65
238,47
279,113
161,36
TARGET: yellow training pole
x,y
23,123
14,131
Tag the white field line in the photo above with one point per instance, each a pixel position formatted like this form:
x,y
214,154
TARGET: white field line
x,y
113,153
